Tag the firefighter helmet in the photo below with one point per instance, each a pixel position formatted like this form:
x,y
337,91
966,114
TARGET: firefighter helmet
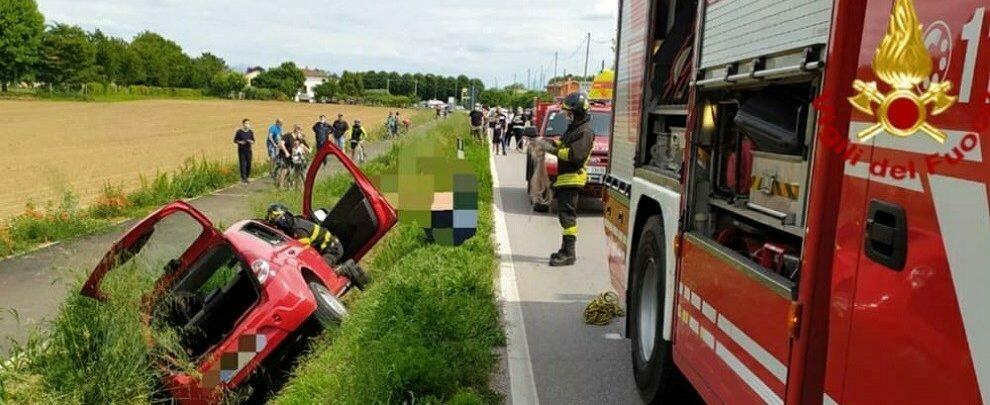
x,y
279,216
577,102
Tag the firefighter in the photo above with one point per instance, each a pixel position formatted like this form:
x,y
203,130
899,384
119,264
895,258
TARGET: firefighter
x,y
572,150
306,232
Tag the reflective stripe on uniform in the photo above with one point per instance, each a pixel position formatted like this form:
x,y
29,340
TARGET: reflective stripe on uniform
x,y
572,231
578,179
564,153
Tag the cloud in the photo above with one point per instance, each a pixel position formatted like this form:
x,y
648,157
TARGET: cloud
x,y
492,41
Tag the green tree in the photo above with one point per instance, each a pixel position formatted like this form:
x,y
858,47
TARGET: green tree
x,y
351,84
110,59
161,60
21,28
204,68
67,56
226,83
286,79
328,89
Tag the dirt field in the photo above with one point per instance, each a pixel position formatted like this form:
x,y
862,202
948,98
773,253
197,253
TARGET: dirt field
x,y
49,147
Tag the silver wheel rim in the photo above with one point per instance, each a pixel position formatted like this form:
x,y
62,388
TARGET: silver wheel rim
x,y
649,310
328,298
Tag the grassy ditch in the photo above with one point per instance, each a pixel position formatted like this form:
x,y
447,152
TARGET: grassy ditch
x,y
425,329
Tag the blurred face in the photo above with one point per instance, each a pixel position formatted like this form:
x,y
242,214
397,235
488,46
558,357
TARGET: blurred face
x,y
247,124
569,114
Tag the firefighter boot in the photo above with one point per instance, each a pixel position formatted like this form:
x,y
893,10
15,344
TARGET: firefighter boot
x,y
566,255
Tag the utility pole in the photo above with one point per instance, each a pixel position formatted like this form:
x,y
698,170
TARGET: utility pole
x,y
416,88
587,55
543,81
529,80
554,66
388,86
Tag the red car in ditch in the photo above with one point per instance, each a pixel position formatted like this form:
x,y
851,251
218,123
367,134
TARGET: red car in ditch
x,y
242,301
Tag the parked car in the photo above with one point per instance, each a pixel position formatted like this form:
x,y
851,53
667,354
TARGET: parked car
x,y
242,301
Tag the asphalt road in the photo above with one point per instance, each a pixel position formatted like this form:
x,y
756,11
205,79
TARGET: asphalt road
x,y
33,285
569,362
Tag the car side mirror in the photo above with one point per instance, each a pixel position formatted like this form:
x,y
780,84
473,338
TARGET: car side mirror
x,y
320,215
530,132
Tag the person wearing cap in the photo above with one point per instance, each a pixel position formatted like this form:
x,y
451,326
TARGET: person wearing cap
x,y
572,150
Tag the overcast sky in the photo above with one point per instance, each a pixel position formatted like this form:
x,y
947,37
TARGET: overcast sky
x,y
485,39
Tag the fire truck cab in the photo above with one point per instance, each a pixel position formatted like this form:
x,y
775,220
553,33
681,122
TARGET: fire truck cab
x,y
797,207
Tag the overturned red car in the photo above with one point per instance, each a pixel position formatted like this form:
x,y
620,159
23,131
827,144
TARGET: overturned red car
x,y
242,301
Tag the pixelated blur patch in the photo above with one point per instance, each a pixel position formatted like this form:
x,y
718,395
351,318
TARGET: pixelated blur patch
x,y
435,190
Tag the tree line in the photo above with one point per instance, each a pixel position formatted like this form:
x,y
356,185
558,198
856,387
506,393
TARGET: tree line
x,y
67,57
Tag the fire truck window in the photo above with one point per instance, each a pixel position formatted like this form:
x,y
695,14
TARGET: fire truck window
x,y
749,182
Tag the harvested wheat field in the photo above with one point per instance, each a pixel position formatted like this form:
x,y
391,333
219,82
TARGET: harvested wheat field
x,y
51,147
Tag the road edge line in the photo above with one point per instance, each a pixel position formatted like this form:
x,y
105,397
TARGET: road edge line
x,y
522,384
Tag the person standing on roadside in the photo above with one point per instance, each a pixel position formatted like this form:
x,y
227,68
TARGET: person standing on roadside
x,y
477,122
244,138
357,142
322,131
572,150
339,130
272,142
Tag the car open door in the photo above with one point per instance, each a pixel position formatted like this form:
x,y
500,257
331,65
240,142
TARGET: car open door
x,y
360,217
178,235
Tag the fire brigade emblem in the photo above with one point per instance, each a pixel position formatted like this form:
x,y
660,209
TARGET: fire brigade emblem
x,y
902,61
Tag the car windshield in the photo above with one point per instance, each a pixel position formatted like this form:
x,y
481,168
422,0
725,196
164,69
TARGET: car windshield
x,y
601,123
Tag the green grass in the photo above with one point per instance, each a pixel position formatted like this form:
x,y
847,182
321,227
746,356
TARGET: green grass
x,y
38,225
94,352
124,93
425,330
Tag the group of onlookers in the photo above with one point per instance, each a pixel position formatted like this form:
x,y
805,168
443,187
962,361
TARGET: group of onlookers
x,y
392,125
288,152
503,125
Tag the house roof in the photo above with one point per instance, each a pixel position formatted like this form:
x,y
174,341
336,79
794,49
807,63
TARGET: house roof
x,y
314,73
255,69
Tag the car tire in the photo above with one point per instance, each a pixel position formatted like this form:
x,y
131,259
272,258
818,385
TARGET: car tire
x,y
653,364
358,277
329,310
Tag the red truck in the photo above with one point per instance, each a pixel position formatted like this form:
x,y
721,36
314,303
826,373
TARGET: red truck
x,y
797,208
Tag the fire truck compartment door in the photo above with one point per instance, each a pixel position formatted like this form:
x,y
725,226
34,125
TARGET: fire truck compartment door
x,y
742,30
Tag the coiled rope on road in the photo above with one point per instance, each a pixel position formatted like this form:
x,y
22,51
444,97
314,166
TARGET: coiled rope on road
x,y
602,309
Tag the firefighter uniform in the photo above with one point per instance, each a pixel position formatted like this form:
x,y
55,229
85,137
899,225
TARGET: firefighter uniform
x,y
306,232
573,150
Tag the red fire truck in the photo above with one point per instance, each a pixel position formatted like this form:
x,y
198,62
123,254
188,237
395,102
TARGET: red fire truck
x,y
797,206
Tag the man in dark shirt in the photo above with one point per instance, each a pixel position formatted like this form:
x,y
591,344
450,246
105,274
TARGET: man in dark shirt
x,y
322,131
477,122
340,128
244,138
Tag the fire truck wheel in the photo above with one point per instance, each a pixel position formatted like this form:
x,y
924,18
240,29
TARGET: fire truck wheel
x,y
651,355
329,310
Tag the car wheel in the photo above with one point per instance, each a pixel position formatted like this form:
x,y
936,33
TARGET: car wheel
x,y
653,365
329,310
355,273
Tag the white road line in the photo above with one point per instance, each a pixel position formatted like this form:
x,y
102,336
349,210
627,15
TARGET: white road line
x,y
522,385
